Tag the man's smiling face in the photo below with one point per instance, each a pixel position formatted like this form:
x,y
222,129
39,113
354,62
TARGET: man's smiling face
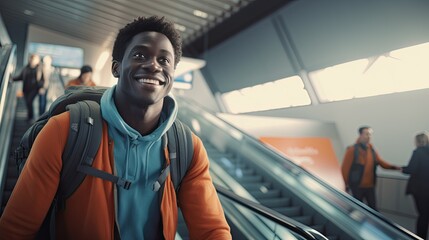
x,y
145,75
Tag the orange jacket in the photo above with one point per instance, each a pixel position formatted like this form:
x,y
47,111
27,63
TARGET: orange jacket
x,y
78,82
366,158
90,212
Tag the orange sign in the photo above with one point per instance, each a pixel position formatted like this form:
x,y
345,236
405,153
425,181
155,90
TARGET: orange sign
x,y
316,155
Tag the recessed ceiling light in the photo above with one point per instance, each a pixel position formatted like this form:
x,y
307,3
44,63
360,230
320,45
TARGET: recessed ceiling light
x,y
201,14
180,27
28,12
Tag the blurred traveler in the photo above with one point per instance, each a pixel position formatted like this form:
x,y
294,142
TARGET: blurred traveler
x,y
32,78
418,183
47,70
137,112
359,167
85,78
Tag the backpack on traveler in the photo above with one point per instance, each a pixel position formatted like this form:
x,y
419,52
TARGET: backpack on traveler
x,y
356,170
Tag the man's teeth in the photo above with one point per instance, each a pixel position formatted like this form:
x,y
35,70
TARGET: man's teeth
x,y
150,81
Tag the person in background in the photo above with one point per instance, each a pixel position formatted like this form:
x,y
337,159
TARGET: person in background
x,y
32,78
137,113
85,78
43,90
359,167
418,183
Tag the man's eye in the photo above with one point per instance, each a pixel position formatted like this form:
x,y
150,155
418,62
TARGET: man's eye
x,y
164,60
139,55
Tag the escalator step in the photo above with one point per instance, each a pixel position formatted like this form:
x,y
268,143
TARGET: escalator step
x,y
229,161
209,146
249,179
319,228
260,187
306,220
276,202
289,211
224,161
333,237
274,193
241,172
256,186
218,155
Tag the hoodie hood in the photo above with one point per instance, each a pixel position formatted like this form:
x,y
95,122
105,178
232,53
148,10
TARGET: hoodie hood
x,y
138,159
113,118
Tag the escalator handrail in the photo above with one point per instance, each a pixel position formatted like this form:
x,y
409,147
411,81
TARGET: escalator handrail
x,y
60,77
269,214
7,102
6,52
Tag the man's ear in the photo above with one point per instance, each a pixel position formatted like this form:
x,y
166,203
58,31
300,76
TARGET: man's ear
x,y
115,68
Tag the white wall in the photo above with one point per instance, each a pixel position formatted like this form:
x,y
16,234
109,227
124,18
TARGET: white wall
x,y
395,118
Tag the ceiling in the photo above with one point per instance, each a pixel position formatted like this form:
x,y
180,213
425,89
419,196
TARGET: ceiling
x,y
202,23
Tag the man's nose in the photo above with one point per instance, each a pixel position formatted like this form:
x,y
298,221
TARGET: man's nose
x,y
152,65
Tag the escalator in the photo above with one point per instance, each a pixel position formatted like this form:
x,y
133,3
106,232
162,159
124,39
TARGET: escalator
x,y
256,172
17,116
20,126
265,191
8,173
250,220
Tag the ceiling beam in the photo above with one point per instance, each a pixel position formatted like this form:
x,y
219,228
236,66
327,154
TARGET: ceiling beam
x,y
240,20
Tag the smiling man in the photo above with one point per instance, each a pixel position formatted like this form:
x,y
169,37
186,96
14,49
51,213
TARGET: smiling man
x,y
137,112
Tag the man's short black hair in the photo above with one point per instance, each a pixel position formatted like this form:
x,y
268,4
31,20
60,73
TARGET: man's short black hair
x,y
147,24
363,128
85,69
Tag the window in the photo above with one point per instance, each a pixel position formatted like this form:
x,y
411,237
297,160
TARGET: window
x,y
283,93
397,71
62,56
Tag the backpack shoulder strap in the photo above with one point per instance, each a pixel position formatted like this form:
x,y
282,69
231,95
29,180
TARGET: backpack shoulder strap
x,y
356,154
178,140
181,149
86,129
82,144
374,156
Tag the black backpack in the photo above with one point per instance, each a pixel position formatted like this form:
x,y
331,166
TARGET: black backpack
x,y
82,145
356,170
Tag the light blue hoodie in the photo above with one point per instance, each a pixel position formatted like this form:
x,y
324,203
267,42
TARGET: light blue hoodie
x,y
138,159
